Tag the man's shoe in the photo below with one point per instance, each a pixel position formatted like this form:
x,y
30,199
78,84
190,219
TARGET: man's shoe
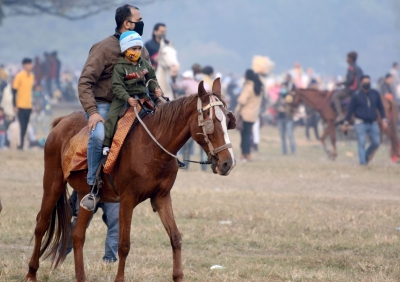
x,y
106,150
89,202
181,165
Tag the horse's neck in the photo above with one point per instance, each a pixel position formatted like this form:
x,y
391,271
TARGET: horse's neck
x,y
315,102
176,135
163,78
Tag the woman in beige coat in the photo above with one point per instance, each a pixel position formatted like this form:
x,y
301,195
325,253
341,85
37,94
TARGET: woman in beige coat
x,y
249,103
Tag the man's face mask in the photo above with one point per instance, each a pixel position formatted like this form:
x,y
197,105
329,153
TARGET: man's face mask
x,y
138,27
366,86
132,56
161,36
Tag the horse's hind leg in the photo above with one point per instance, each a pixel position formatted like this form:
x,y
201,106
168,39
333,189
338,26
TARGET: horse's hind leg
x,y
164,208
53,187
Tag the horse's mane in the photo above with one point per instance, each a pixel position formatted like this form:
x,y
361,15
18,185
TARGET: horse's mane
x,y
168,113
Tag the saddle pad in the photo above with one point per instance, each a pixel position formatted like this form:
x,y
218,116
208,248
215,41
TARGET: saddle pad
x,y
75,157
124,125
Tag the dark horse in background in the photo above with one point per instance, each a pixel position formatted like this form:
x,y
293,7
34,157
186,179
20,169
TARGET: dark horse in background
x,y
142,171
321,102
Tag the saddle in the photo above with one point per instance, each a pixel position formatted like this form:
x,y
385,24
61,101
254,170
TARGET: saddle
x,y
75,158
145,104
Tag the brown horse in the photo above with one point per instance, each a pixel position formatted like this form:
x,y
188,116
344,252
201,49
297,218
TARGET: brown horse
x,y
142,171
320,101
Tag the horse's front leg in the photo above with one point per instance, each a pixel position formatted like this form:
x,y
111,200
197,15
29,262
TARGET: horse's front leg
x,y
78,240
127,204
323,137
164,208
332,135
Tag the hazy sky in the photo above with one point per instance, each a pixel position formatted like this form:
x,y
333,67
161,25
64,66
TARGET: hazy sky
x,y
227,33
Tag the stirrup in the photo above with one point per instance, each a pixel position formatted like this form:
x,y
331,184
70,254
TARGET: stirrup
x,y
89,202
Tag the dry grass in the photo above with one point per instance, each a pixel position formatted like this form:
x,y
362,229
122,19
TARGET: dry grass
x,y
294,218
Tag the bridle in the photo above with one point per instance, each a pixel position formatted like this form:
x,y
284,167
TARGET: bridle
x,y
207,124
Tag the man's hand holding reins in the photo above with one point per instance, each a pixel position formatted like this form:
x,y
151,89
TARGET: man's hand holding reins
x,y
93,120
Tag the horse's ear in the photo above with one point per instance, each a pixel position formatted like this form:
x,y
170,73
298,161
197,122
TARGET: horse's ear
x,y
202,91
216,88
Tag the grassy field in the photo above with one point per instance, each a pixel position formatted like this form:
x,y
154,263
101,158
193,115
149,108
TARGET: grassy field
x,y
278,218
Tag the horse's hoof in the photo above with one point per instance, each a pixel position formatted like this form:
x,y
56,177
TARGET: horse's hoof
x,y
30,278
178,278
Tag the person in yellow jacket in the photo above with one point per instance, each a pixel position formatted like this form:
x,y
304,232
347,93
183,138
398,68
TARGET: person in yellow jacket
x,y
22,97
249,103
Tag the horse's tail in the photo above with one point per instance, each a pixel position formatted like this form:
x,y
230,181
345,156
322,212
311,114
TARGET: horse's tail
x,y
56,121
56,239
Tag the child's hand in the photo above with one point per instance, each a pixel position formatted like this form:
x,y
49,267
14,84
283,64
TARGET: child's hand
x,y
158,92
132,102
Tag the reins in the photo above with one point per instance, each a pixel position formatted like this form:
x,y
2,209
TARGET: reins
x,y
159,145
206,124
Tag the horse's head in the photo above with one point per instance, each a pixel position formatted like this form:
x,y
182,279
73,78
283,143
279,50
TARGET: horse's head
x,y
210,128
295,98
167,57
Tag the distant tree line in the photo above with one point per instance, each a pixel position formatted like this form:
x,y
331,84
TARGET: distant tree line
x,y
67,9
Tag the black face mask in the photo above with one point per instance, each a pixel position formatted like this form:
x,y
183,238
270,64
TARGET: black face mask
x,y
366,86
138,28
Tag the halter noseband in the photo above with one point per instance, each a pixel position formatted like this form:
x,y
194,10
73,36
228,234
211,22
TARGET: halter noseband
x,y
208,125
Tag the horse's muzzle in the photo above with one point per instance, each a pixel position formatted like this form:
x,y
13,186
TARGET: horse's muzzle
x,y
223,167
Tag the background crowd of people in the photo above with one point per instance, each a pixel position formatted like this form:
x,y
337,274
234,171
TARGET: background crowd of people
x,y
258,97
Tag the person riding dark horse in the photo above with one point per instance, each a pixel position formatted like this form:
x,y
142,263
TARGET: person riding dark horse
x,y
351,84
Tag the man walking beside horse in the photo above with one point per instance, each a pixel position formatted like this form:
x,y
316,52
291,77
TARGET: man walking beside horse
x,y
364,105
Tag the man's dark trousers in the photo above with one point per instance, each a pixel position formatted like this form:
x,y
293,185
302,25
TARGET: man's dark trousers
x,y
23,118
